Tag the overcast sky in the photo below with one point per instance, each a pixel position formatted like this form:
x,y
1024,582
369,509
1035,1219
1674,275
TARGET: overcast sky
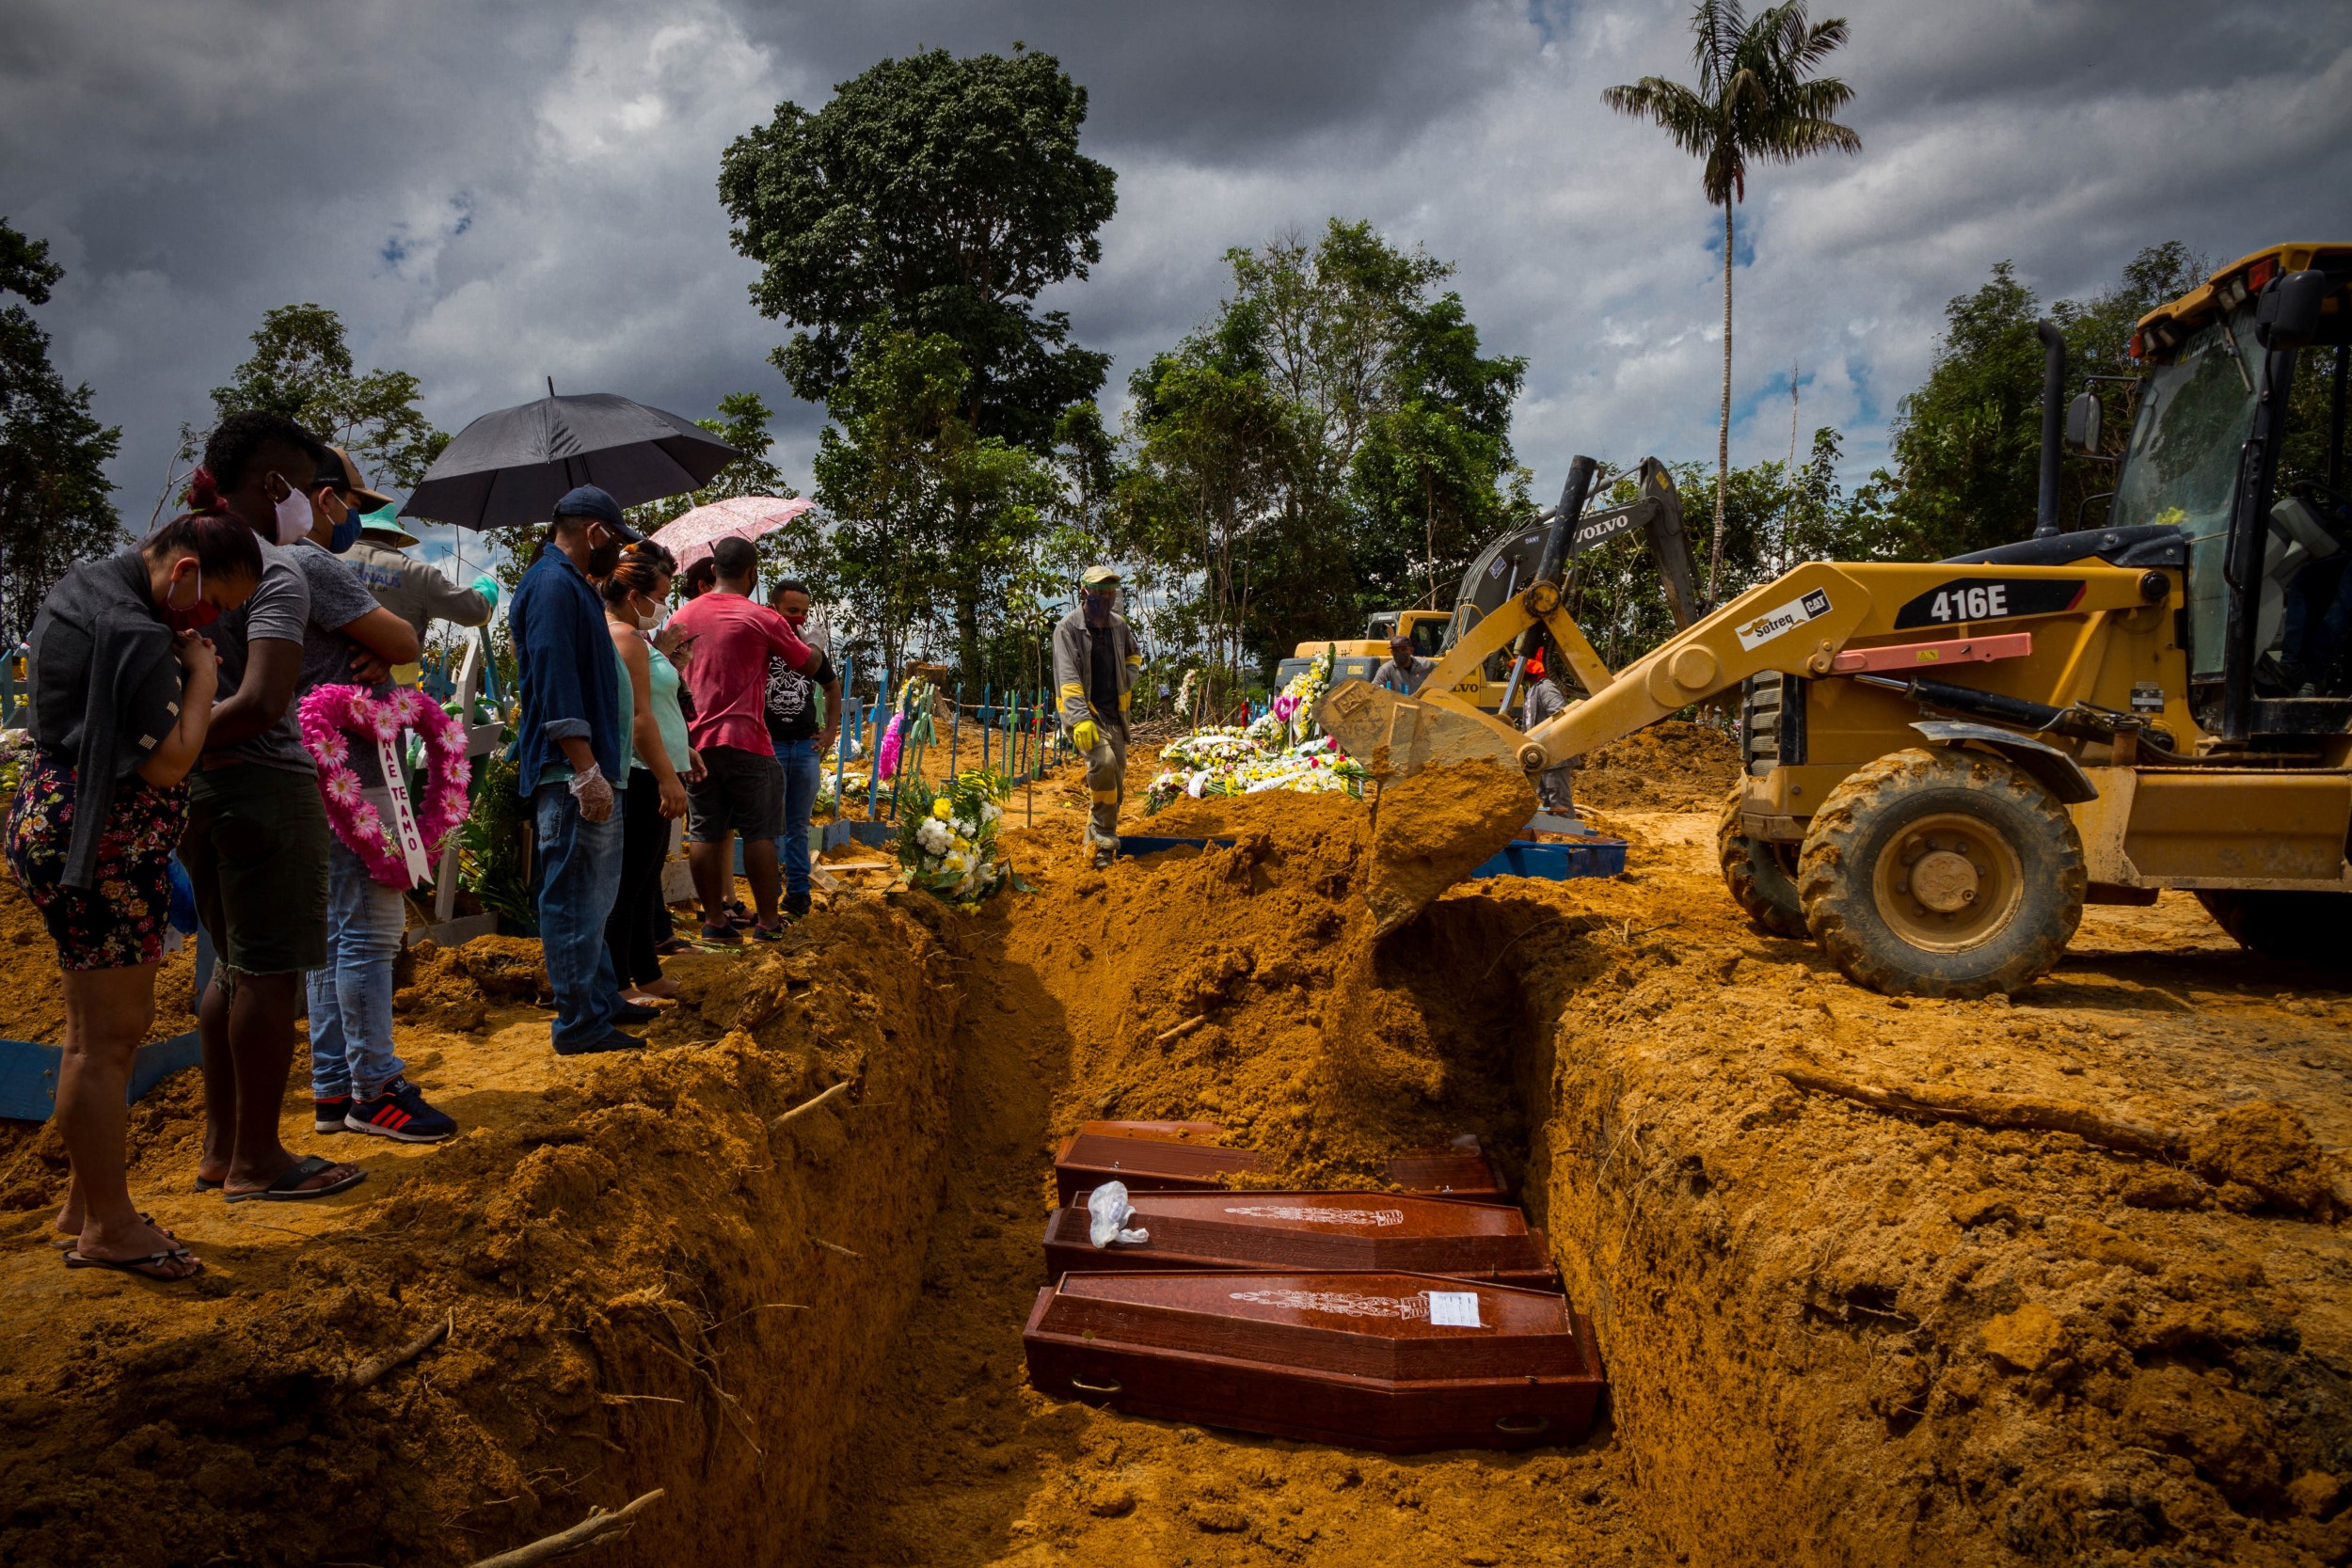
x,y
491,195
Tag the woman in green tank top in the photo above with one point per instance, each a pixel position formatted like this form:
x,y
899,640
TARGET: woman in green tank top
x,y
654,758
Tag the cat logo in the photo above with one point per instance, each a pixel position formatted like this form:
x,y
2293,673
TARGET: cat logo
x,y
1796,613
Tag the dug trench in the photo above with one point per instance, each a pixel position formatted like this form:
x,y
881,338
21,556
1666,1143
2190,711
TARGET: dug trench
x,y
1859,1301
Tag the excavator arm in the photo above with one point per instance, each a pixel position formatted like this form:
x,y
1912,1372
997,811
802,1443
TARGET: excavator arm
x,y
1460,778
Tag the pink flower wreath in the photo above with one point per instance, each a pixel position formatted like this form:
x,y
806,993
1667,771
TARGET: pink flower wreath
x,y
332,711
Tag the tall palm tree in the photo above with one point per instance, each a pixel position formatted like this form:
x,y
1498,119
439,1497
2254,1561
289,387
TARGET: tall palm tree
x,y
1757,98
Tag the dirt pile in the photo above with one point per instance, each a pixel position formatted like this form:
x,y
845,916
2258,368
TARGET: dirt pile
x,y
630,1250
1672,765
32,1008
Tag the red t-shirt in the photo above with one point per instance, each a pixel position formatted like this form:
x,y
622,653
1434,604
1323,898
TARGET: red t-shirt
x,y
729,672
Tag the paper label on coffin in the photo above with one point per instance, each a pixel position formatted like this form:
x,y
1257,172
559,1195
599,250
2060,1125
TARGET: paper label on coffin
x,y
1404,1363
1319,1230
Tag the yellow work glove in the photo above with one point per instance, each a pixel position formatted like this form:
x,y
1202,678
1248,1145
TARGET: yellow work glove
x,y
1085,735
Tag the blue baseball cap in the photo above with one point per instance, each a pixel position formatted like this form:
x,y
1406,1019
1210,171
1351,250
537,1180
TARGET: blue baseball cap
x,y
591,501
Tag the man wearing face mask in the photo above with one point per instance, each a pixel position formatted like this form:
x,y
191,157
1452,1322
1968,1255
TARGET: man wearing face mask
x,y
1096,659
804,719
567,751
257,844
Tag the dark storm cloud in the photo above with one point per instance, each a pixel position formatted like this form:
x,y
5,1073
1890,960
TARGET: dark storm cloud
x,y
491,195
1208,80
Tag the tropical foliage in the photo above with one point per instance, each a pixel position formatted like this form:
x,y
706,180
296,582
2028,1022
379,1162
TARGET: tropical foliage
x,y
57,504
301,367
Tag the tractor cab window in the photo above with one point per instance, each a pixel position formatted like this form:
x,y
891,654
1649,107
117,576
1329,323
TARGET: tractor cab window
x,y
1428,638
2182,465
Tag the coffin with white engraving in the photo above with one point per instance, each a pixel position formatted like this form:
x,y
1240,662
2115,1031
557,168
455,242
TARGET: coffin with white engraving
x,y
1187,1156
1402,1363
1319,1230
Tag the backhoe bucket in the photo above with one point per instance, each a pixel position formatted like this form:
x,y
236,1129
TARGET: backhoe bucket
x,y
1453,790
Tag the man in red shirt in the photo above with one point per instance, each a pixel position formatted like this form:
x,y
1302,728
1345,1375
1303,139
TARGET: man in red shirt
x,y
743,786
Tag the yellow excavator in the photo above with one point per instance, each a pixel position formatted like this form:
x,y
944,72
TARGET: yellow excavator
x,y
1493,581
1944,761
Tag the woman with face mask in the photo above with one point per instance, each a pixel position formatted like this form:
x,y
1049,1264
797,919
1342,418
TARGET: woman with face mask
x,y
634,592
123,680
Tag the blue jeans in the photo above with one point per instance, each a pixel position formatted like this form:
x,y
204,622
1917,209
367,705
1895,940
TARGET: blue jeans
x,y
802,766
350,999
580,876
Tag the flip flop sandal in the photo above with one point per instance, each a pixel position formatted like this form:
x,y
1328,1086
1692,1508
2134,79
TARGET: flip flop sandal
x,y
67,1243
141,1266
767,933
288,1188
206,1184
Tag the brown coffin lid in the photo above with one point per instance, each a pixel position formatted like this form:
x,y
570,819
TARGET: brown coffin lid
x,y
1319,1230
1372,1326
1086,1160
1450,1173
1165,1132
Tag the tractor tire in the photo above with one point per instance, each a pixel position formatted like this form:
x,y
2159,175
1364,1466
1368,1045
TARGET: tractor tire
x,y
2309,927
1942,873
1762,876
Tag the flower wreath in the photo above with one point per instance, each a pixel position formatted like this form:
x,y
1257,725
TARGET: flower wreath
x,y
329,715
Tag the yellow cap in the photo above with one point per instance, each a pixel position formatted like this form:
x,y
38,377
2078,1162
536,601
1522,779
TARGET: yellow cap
x,y
1096,576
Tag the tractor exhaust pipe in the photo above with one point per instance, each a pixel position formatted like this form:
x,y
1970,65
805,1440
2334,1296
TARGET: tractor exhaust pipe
x,y
2046,521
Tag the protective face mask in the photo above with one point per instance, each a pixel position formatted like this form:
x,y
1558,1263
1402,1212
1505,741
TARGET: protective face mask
x,y
294,517
197,615
346,534
649,620
603,557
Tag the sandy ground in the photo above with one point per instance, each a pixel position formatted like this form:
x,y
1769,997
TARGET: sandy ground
x,y
1835,1334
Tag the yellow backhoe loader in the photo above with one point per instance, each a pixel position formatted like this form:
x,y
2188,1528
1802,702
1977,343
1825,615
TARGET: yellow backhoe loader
x,y
1945,761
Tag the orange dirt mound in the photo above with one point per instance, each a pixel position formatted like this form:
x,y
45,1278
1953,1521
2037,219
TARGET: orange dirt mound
x,y
1672,765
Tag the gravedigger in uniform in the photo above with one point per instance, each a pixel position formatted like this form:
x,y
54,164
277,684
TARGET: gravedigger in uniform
x,y
1945,761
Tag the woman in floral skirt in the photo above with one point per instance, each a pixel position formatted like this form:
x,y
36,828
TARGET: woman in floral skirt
x,y
123,684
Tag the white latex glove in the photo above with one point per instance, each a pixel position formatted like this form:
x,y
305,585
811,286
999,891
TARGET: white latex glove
x,y
1107,1211
593,793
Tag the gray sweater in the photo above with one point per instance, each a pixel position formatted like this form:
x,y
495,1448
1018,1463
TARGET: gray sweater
x,y
105,690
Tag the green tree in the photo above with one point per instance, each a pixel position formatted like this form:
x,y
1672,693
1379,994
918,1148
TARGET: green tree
x,y
1756,99
938,534
56,500
300,367
1331,440
938,195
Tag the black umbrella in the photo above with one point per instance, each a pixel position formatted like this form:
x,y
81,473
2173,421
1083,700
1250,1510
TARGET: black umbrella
x,y
512,466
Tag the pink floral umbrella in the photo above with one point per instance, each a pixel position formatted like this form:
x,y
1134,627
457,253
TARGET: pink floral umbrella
x,y
691,536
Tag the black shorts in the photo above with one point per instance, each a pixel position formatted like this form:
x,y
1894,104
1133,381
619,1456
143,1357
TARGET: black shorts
x,y
741,792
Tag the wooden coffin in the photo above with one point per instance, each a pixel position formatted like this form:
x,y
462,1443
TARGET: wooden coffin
x,y
1164,1131
1402,1363
1185,1156
1146,1164
1461,1172
1323,1231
